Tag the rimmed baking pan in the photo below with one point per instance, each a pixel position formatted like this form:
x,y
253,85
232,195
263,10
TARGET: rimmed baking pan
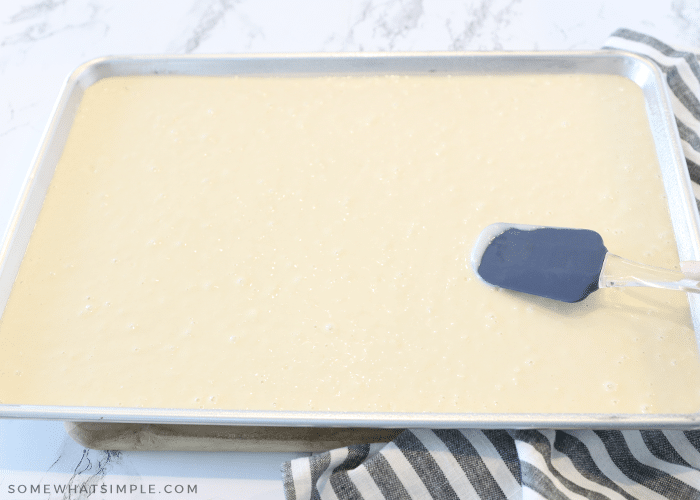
x,y
681,206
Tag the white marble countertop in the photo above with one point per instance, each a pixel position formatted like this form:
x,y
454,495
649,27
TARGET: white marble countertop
x,y
42,41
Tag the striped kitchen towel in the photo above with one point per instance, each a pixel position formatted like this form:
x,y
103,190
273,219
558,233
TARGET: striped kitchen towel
x,y
528,464
499,464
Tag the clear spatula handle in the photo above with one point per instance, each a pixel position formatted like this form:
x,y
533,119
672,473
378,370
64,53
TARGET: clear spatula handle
x,y
622,272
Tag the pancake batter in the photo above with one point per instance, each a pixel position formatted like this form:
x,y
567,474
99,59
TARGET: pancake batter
x,y
303,244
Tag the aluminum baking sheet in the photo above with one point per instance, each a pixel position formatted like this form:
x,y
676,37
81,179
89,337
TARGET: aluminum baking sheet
x,y
686,223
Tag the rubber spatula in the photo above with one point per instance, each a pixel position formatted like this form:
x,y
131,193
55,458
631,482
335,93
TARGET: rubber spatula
x,y
565,264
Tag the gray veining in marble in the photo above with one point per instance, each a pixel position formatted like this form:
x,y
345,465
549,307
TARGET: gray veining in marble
x,y
387,23
36,10
686,16
209,14
89,471
47,19
481,27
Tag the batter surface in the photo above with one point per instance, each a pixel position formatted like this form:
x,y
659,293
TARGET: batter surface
x,y
303,244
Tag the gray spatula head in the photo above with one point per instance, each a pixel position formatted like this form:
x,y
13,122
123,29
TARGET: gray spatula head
x,y
557,263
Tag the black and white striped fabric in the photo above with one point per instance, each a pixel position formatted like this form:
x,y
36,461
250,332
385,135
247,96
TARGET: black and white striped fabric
x,y
528,464
499,464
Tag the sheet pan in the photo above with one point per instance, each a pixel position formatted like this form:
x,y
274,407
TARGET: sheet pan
x,y
686,223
